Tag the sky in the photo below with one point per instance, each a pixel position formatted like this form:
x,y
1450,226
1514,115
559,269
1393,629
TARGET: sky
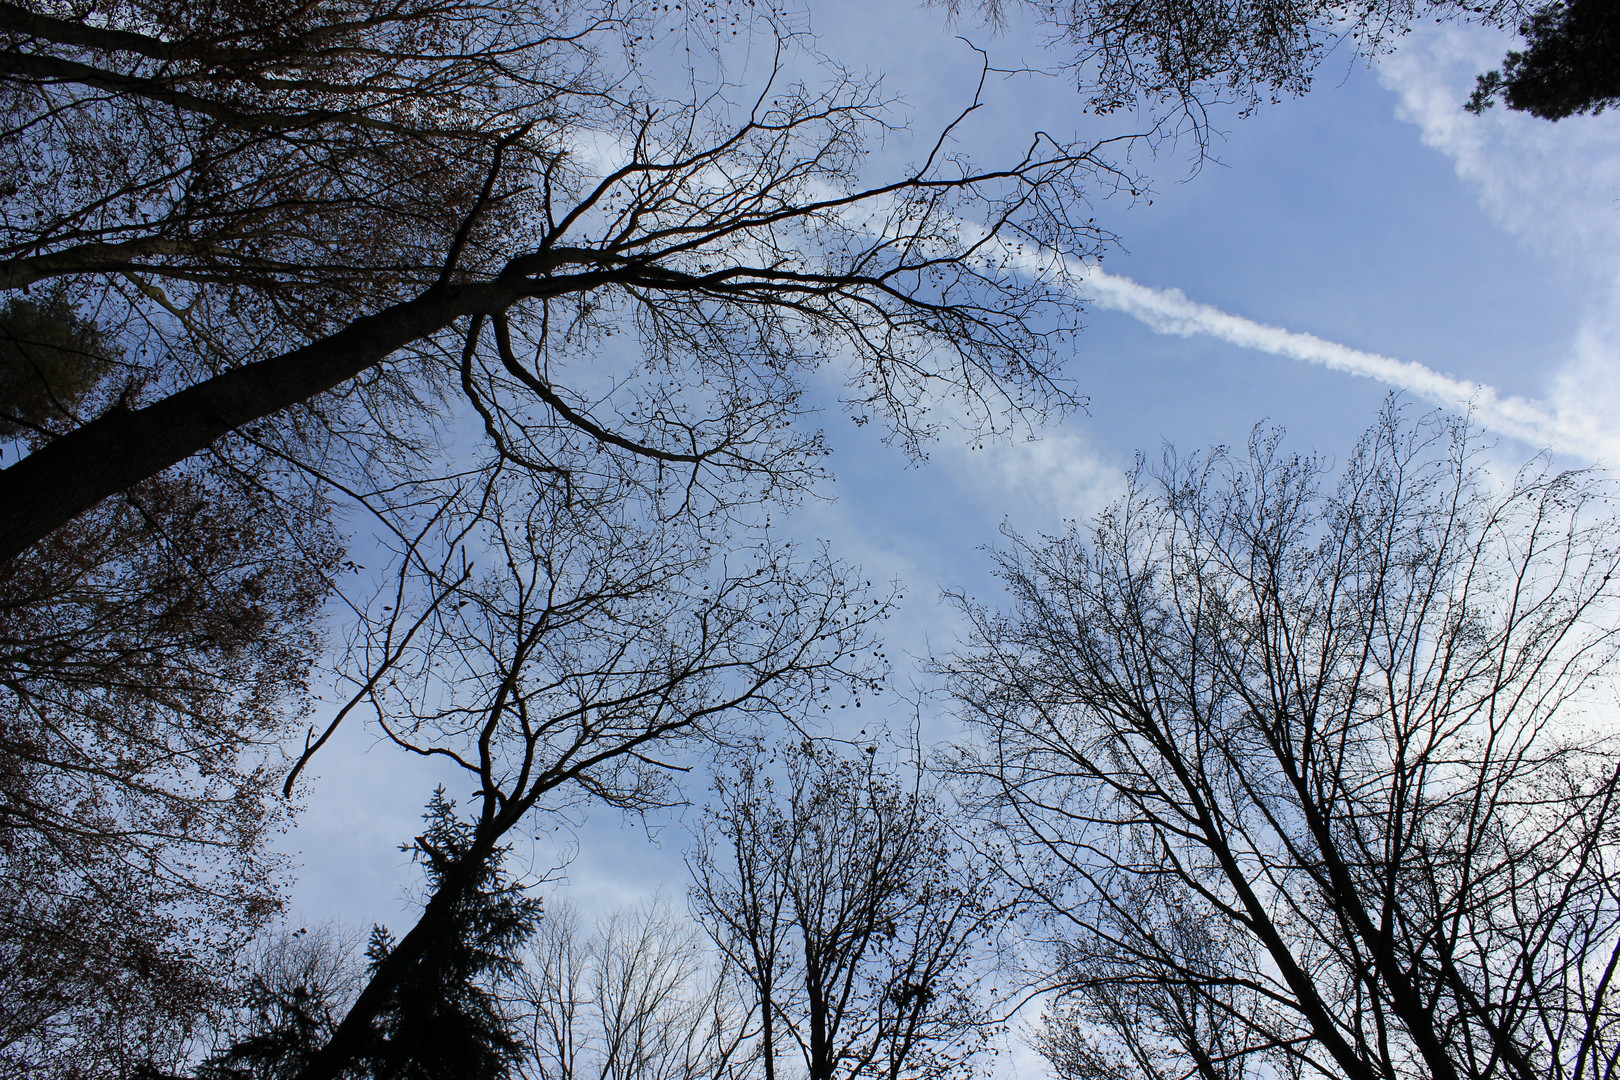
x,y
1367,237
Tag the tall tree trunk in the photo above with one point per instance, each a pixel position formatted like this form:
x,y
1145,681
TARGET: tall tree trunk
x,y
122,447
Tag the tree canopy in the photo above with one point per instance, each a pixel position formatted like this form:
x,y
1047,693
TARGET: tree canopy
x,y
310,248
1571,64
1288,774
1206,54
1300,773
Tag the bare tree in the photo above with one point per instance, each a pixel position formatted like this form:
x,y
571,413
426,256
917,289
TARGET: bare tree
x,y
641,997
322,238
1308,779
857,924
313,253
558,646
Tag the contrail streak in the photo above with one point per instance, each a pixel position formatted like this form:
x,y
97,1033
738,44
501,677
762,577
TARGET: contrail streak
x,y
1170,311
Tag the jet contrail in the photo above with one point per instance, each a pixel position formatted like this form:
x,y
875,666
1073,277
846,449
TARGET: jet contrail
x,y
1170,311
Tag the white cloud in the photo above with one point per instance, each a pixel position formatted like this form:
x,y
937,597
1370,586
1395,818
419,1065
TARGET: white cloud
x,y
1040,483
1554,186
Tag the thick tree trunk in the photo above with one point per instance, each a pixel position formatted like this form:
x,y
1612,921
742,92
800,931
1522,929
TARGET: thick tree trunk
x,y
53,485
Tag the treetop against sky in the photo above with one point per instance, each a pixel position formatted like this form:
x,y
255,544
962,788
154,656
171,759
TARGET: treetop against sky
x,y
617,356
1368,235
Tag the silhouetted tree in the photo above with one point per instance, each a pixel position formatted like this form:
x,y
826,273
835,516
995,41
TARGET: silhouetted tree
x,y
443,1015
643,996
568,665
315,226
442,1019
297,986
1197,55
858,925
1571,63
1303,777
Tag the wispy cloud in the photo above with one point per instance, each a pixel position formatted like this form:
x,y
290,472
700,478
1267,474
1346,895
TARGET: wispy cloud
x,y
1552,186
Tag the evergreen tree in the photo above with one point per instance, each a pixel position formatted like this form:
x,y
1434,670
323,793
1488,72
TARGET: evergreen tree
x,y
291,1025
444,1021
51,358
1571,64
298,986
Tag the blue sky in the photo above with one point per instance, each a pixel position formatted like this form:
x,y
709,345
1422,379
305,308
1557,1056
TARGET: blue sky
x,y
1371,224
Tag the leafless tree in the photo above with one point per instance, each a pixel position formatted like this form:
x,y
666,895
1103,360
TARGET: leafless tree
x,y
552,652
315,253
320,963
845,904
321,238
1311,780
642,997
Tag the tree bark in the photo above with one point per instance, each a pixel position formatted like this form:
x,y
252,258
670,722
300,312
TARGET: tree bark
x,y
53,485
